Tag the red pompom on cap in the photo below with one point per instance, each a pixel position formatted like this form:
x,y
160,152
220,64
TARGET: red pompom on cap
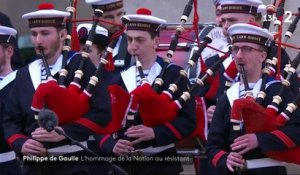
x,y
143,11
46,6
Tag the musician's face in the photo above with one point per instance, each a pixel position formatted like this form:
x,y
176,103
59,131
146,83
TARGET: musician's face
x,y
141,44
218,15
251,56
112,16
94,53
49,39
6,52
229,19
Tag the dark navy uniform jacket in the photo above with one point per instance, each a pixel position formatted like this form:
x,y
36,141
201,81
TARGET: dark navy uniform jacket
x,y
221,134
19,121
13,166
122,56
166,133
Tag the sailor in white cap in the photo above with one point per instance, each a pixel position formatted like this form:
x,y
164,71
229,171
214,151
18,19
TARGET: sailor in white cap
x,y
246,11
8,161
228,150
100,41
113,10
143,32
231,12
218,12
17,60
23,133
234,12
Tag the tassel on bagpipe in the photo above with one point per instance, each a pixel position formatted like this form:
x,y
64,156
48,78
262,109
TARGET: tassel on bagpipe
x,y
256,118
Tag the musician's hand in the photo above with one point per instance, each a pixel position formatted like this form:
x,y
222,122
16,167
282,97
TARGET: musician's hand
x,y
210,113
43,135
235,160
141,132
123,147
33,147
245,143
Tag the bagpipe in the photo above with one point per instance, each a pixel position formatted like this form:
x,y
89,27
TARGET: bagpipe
x,y
157,108
255,117
71,103
145,97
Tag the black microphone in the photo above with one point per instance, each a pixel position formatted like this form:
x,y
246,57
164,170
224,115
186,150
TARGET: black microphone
x,y
47,119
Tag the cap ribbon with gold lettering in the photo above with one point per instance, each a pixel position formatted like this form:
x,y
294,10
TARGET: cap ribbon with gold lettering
x,y
144,21
106,5
249,33
46,16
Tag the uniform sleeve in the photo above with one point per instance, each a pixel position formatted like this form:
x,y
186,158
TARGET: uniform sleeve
x,y
184,123
217,140
13,122
106,143
285,137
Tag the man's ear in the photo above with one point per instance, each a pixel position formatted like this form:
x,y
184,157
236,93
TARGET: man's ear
x,y
263,56
156,41
63,33
10,51
252,19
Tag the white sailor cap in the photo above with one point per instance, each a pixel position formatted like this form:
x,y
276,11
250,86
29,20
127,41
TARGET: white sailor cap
x,y
101,36
46,15
7,35
143,20
242,6
250,33
216,2
106,5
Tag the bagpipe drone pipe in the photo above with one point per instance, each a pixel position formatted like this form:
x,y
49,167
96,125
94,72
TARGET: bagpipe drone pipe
x,y
71,103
